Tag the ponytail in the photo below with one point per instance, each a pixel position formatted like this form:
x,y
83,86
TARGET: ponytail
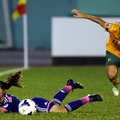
x,y
12,80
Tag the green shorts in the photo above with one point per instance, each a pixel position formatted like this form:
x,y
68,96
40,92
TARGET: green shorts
x,y
111,59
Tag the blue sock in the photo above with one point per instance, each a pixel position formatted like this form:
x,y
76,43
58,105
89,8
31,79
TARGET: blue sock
x,y
60,96
77,103
73,105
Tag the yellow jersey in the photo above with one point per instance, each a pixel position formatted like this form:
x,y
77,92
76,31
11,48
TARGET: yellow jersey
x,y
113,42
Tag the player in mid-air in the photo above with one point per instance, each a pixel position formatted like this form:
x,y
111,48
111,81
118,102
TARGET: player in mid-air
x,y
112,47
9,103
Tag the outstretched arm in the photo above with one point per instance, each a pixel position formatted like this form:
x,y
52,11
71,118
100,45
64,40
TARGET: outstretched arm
x,y
2,110
79,14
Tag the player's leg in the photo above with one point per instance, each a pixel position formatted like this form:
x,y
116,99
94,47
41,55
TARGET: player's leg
x,y
60,95
112,72
71,106
54,104
112,63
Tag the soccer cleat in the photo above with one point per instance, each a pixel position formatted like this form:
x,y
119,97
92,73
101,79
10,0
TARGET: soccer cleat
x,y
115,89
94,97
74,84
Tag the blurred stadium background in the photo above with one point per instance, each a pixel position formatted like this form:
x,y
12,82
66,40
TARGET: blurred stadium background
x,y
40,31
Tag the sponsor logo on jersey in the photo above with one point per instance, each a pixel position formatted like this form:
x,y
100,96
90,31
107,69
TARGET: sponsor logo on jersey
x,y
107,25
109,59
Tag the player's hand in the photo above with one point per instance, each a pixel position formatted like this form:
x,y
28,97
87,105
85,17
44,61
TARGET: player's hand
x,y
77,13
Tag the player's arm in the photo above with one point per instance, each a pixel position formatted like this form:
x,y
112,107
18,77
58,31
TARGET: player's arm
x,y
2,110
79,14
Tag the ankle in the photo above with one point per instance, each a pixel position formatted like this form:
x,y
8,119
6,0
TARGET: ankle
x,y
115,81
67,88
85,99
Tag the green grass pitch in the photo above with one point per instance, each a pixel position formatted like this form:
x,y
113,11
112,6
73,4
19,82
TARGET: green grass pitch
x,y
46,81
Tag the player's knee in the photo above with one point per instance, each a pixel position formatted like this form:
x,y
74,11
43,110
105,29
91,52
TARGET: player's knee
x,y
58,108
111,77
112,73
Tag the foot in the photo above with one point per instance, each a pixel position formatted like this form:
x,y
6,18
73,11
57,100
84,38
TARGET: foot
x,y
74,84
115,89
94,97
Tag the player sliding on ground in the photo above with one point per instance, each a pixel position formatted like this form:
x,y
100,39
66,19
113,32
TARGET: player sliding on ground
x,y
112,47
9,103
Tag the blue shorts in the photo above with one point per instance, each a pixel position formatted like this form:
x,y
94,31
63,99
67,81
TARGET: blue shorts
x,y
43,105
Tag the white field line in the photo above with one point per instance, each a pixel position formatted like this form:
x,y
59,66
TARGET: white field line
x,y
12,70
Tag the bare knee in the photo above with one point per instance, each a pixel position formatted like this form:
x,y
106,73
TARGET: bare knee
x,y
111,76
58,108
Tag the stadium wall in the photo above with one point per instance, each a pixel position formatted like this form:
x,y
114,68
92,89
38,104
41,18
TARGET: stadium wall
x,y
2,25
78,41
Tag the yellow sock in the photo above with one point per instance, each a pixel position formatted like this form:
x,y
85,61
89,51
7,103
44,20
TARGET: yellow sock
x,y
116,81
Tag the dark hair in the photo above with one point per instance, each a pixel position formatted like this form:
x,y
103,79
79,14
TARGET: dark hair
x,y
2,84
12,80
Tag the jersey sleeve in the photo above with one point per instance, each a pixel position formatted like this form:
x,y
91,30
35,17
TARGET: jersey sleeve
x,y
10,104
107,26
6,107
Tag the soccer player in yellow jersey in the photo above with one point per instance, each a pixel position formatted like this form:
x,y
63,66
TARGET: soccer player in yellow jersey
x,y
112,47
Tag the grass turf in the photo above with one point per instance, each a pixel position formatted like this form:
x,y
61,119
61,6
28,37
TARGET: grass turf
x,y
46,81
